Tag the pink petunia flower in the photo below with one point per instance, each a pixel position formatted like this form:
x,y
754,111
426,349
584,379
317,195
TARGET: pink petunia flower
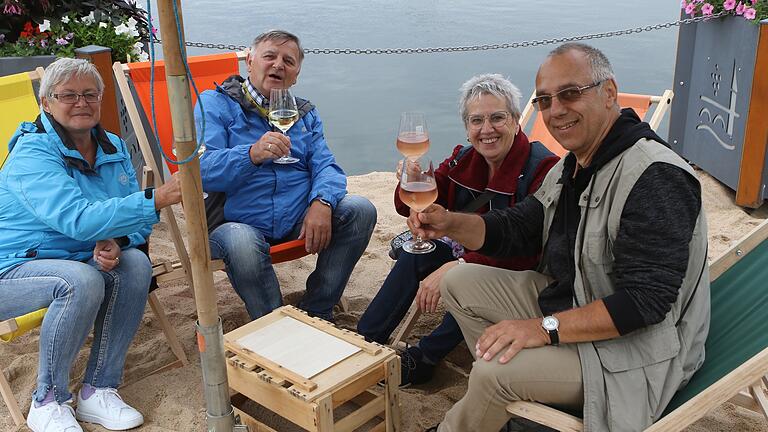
x,y
12,9
740,8
683,4
707,9
43,43
61,41
749,13
729,4
690,9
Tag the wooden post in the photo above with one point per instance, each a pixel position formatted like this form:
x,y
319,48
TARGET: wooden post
x,y
750,189
219,413
101,57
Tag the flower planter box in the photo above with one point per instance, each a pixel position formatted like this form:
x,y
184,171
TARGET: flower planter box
x,y
13,65
719,117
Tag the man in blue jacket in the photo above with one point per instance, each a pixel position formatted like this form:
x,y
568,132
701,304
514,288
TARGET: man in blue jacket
x,y
266,203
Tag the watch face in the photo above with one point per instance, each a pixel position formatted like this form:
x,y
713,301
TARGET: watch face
x,y
550,323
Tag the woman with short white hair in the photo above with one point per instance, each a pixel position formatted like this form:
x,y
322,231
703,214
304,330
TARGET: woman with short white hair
x,y
71,217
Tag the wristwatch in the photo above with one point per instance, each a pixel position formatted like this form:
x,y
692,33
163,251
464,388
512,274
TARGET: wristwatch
x,y
550,324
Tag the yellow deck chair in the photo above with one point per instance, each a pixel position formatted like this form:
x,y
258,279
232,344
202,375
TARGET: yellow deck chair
x,y
736,364
640,103
17,105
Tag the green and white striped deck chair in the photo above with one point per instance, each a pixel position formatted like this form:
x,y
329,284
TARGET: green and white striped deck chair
x,y
736,364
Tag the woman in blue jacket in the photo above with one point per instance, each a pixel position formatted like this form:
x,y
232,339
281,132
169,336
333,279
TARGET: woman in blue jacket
x,y
71,216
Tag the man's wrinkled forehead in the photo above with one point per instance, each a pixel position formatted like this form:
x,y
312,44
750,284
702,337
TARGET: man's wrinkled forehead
x,y
273,46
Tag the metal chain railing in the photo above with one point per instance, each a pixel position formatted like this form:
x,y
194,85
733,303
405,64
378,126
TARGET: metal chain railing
x,y
511,45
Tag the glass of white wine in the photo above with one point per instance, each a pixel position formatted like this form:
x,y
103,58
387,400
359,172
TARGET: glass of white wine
x,y
283,114
418,190
412,137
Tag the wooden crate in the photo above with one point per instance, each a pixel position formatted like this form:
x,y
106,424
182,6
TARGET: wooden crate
x,y
310,402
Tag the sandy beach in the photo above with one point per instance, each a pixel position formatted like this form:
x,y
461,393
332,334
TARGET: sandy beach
x,y
173,400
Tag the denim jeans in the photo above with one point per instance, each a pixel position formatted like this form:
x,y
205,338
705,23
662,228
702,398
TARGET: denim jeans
x,y
79,297
245,252
395,297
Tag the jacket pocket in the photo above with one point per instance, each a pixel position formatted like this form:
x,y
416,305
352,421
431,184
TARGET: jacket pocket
x,y
640,348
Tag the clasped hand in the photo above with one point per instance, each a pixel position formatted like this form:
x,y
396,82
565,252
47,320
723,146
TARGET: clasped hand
x,y
107,254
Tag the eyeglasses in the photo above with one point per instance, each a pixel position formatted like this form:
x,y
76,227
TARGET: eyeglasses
x,y
567,95
497,119
72,98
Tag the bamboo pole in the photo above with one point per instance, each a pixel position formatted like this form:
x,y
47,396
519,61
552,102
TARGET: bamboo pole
x,y
210,339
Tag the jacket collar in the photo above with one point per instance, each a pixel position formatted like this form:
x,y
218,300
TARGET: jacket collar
x,y
45,123
471,171
234,87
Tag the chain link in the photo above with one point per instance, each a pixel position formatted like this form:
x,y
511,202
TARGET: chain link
x,y
512,45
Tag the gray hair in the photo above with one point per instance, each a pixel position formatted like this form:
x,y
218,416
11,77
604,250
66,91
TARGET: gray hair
x,y
601,67
492,84
278,35
63,70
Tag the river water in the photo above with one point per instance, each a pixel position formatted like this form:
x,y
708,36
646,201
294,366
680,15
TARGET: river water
x,y
360,97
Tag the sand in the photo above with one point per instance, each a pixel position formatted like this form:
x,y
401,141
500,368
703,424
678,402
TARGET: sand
x,y
173,400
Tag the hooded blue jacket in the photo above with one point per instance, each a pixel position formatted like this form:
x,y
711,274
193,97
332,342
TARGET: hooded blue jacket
x,y
270,197
53,205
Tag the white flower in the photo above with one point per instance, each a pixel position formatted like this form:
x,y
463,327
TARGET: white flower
x,y
65,19
45,26
122,29
132,22
134,32
102,25
138,46
143,56
90,19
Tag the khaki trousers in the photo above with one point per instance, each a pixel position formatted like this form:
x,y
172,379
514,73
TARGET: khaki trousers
x,y
479,296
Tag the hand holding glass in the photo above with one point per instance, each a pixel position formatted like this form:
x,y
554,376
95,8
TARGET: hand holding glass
x,y
418,190
412,137
283,114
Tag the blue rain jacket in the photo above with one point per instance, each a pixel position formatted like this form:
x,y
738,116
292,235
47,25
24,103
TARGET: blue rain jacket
x,y
270,197
53,205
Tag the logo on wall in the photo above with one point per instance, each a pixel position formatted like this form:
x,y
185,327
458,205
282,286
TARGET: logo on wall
x,y
718,119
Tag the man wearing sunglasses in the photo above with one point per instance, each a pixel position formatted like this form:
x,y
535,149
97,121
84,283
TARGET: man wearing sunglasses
x,y
618,312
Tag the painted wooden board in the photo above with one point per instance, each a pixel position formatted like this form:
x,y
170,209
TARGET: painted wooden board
x,y
297,346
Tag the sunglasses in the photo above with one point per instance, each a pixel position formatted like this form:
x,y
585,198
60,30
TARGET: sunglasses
x,y
567,95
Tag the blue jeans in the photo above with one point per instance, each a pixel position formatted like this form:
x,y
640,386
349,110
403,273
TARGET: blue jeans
x,y
245,252
395,297
79,297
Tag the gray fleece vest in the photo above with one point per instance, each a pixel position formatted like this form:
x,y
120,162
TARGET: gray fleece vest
x,y
629,380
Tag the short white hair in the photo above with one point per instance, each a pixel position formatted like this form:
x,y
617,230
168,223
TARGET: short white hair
x,y
63,70
492,84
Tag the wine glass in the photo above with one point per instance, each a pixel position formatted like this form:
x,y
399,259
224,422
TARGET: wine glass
x,y
283,114
418,191
412,137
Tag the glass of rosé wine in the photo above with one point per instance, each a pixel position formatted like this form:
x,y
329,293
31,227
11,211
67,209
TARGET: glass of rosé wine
x,y
412,137
418,190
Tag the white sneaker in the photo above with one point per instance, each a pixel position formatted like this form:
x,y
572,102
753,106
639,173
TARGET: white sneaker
x,y
53,417
106,407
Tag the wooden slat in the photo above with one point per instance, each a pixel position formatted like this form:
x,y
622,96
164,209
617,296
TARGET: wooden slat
x,y
663,104
253,424
8,326
297,380
721,391
758,394
546,416
352,390
345,335
360,416
411,318
165,325
10,401
738,250
750,188
324,414
392,394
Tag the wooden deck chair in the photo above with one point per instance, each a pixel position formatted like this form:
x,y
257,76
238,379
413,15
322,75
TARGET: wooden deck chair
x,y
20,104
206,71
640,103
736,364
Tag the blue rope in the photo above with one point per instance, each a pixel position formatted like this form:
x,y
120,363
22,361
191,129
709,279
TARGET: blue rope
x,y
199,143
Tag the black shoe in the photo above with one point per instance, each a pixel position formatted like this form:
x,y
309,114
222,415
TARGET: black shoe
x,y
413,369
433,428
